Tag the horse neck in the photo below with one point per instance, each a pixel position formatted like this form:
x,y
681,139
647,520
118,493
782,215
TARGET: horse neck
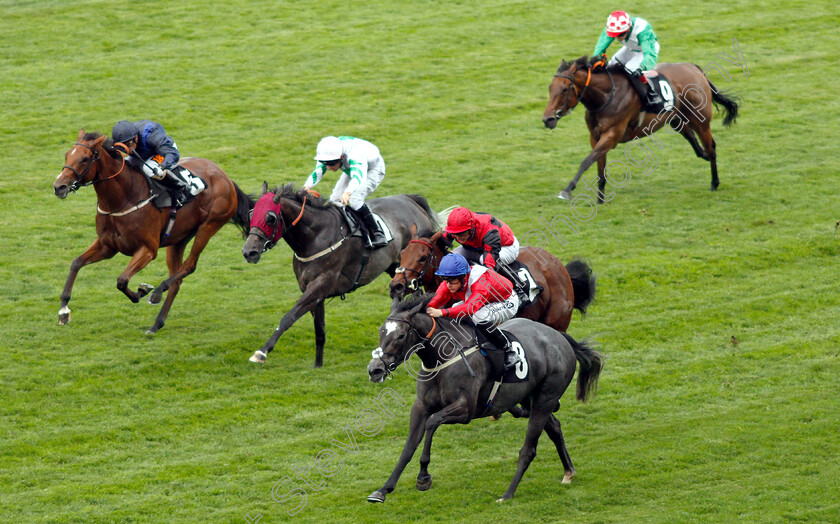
x,y
599,91
115,183
447,337
315,227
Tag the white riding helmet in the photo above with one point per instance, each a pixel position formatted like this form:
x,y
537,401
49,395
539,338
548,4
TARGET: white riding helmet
x,y
329,148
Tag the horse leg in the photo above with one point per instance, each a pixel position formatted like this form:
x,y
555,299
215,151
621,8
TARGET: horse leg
x,y
552,428
689,135
141,259
174,258
709,145
94,253
320,333
314,294
202,236
536,424
415,434
605,143
455,413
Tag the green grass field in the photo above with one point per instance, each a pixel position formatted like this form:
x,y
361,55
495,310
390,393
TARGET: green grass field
x,y
718,311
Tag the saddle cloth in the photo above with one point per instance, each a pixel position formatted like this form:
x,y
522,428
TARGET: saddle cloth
x,y
164,199
524,285
518,373
660,84
357,225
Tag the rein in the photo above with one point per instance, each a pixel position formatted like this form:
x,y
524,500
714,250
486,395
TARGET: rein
x,y
564,109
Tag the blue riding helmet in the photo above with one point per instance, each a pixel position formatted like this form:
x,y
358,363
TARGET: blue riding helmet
x,y
123,131
453,265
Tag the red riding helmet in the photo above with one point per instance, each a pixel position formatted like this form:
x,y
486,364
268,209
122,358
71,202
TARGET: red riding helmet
x,y
460,220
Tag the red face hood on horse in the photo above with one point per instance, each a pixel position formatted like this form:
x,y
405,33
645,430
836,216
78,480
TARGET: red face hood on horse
x,y
266,218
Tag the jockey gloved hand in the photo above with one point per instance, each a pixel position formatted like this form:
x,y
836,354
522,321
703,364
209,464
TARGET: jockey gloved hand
x,y
158,172
636,73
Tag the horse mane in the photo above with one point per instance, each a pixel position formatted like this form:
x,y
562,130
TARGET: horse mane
x,y
412,301
107,145
585,62
299,194
426,233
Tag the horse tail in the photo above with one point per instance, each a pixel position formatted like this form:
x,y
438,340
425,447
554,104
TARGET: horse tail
x,y
583,283
591,363
443,216
420,200
244,204
719,98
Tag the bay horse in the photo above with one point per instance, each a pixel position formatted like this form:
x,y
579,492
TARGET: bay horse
x,y
614,110
447,393
328,260
126,224
564,287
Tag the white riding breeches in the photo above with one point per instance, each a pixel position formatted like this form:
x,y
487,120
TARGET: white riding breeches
x,y
374,177
497,312
632,60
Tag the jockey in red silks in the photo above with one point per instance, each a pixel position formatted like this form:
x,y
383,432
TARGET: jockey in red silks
x,y
479,293
484,239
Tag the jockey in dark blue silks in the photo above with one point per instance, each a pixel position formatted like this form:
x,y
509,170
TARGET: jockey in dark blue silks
x,y
156,151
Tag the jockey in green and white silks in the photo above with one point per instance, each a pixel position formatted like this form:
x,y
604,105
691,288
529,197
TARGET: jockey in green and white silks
x,y
639,51
363,169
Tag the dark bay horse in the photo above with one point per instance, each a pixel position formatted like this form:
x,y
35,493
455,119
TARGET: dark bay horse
x,y
328,261
614,110
448,394
127,223
564,288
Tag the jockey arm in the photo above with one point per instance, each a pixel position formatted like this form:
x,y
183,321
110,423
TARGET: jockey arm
x,y
479,297
162,144
492,241
357,171
315,176
647,41
604,42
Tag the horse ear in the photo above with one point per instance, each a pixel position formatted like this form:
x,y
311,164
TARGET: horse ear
x,y
99,141
277,197
264,188
81,134
413,230
563,65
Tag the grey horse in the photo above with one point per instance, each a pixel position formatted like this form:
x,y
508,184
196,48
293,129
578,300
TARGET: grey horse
x,y
328,261
447,393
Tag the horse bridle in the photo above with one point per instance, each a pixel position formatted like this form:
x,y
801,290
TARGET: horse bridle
x,y
379,353
267,242
94,157
431,263
560,113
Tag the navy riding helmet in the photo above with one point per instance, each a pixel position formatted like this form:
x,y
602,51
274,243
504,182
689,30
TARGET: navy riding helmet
x,y
453,265
123,131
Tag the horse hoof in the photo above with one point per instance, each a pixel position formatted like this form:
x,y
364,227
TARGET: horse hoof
x,y
424,483
565,195
153,330
258,357
567,478
503,499
376,496
63,316
494,418
155,297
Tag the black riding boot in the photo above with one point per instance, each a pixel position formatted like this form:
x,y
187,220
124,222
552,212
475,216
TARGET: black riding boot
x,y
498,339
179,188
377,237
505,271
649,97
